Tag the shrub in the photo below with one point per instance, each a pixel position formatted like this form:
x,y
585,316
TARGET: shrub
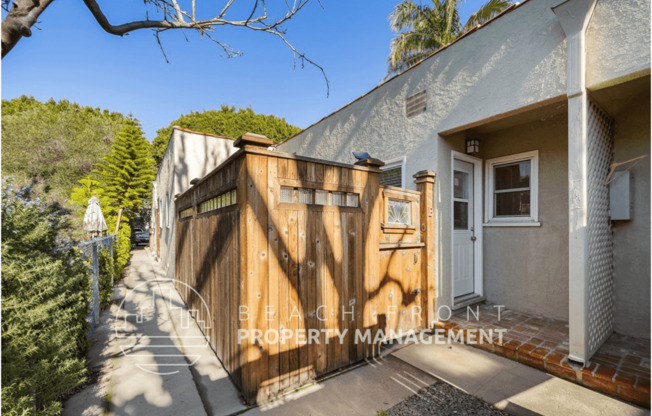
x,y
107,270
121,246
45,303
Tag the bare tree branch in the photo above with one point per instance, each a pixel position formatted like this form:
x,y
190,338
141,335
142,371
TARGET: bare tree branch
x,y
226,7
22,15
158,40
19,21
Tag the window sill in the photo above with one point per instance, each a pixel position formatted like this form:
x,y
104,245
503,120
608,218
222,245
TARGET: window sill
x,y
512,224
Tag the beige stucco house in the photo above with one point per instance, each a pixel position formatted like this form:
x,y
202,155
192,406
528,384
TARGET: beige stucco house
x,y
553,93
189,155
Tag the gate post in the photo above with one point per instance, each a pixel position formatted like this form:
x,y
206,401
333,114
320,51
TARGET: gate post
x,y
425,181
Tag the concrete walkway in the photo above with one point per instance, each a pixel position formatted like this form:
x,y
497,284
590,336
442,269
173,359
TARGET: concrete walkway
x,y
373,386
152,359
151,356
508,385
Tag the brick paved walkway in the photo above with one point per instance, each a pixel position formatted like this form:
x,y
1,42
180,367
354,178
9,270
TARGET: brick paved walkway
x,y
620,368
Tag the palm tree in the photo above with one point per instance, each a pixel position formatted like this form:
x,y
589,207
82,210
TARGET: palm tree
x,y
430,28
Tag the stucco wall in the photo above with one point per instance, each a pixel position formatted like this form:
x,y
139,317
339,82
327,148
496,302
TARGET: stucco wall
x,y
526,268
618,40
189,156
632,238
164,187
512,64
515,61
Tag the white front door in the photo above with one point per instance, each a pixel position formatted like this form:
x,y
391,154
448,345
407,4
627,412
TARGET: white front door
x,y
463,228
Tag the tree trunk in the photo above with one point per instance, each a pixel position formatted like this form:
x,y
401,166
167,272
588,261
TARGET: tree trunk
x,y
19,21
117,224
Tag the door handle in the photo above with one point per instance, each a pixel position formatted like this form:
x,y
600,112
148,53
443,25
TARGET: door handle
x,y
473,238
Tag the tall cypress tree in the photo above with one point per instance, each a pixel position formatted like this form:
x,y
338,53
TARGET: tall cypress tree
x,y
126,174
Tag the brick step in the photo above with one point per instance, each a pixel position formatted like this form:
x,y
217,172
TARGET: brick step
x,y
627,381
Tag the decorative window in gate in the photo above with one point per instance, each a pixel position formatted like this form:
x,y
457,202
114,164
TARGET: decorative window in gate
x,y
185,213
221,201
398,212
291,195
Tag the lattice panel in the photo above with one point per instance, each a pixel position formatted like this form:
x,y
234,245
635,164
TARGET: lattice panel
x,y
600,240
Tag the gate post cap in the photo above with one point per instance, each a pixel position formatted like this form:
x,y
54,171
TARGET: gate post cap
x,y
252,139
424,176
370,163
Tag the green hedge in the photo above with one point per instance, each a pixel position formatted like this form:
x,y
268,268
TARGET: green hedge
x,y
45,303
122,248
107,270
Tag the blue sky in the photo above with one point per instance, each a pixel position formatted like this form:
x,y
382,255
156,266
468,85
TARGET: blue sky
x,y
72,57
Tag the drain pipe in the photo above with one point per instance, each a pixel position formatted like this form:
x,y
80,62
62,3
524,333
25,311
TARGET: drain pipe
x,y
574,17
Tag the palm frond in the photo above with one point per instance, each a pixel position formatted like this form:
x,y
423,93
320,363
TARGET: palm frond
x,y
406,15
487,12
423,29
408,48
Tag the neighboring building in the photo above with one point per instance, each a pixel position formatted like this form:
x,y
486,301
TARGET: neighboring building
x,y
555,92
189,155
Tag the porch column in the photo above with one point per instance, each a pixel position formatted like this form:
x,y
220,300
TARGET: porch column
x,y
589,155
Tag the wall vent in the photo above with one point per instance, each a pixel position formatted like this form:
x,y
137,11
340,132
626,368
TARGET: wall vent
x,y
415,104
392,177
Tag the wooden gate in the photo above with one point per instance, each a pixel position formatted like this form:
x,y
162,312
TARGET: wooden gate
x,y
307,265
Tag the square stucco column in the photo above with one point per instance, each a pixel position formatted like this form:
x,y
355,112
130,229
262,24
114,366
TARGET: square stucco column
x,y
589,155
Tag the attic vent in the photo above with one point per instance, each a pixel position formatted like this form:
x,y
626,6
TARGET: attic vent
x,y
415,104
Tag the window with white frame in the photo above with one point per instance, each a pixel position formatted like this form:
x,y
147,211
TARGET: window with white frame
x,y
393,173
512,189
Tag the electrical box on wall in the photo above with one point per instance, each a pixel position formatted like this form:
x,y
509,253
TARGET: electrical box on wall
x,y
620,196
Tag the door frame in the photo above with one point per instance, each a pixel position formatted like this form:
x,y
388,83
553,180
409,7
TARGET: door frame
x,y
478,204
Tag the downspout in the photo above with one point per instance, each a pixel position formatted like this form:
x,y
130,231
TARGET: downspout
x,y
574,17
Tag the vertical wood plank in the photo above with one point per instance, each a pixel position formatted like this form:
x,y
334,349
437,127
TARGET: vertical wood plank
x,y
320,247
236,287
300,297
292,172
302,170
282,249
328,174
343,306
318,172
293,286
310,295
337,296
215,300
361,293
282,168
272,276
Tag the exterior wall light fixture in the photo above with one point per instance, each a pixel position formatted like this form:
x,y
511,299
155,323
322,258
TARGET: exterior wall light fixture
x,y
472,146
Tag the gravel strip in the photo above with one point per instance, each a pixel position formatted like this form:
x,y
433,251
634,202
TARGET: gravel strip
x,y
442,399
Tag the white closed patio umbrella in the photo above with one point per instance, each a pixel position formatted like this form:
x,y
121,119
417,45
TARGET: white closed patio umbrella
x,y
93,218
